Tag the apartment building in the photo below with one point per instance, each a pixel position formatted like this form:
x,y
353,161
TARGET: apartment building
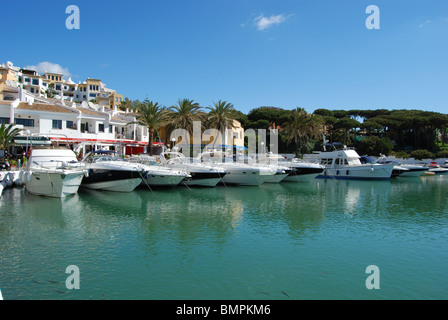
x,y
84,127
54,85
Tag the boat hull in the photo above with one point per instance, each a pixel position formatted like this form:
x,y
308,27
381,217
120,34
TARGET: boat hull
x,y
203,179
162,180
55,185
277,178
413,173
246,178
362,172
439,170
303,174
112,180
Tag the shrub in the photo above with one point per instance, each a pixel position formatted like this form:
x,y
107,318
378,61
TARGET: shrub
x,y
442,154
422,154
401,154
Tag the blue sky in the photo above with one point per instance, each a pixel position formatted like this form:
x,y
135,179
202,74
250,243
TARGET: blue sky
x,y
252,53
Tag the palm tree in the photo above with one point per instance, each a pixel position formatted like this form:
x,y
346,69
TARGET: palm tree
x,y
7,134
183,114
152,116
221,116
302,127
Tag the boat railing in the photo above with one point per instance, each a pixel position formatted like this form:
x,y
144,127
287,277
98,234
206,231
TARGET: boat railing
x,y
57,164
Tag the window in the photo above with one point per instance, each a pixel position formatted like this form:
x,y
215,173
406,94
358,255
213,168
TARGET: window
x,y
35,82
101,127
27,79
57,124
92,95
24,122
44,84
70,125
4,120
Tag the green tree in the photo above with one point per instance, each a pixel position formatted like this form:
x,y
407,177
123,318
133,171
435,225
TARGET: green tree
x,y
347,124
301,128
374,146
221,116
51,92
183,114
152,116
7,134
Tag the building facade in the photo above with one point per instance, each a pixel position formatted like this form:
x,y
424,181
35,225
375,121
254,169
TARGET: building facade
x,y
84,116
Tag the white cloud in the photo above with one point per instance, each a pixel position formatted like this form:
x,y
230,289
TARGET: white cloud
x,y
423,24
263,22
45,66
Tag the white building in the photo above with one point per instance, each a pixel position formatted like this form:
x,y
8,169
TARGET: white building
x,y
84,127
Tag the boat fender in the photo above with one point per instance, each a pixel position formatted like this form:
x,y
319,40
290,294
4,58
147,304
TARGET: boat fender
x,y
372,170
337,172
23,177
347,172
30,176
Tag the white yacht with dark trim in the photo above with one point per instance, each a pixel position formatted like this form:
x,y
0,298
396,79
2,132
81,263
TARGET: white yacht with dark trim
x,y
238,173
111,173
344,163
158,175
297,170
201,174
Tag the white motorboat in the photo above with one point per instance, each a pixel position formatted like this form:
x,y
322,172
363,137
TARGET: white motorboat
x,y
344,163
159,176
296,170
303,170
238,173
404,170
111,173
52,172
200,174
436,168
445,165
266,160
412,170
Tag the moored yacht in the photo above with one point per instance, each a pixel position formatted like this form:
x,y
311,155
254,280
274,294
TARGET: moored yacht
x,y
201,174
297,170
111,173
238,173
344,163
52,172
436,168
303,170
158,176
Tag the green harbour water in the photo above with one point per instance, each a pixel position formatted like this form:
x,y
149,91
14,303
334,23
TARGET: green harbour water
x,y
286,241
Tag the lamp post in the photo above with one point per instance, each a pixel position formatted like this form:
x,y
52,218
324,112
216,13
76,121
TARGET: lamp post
x,y
27,132
173,140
